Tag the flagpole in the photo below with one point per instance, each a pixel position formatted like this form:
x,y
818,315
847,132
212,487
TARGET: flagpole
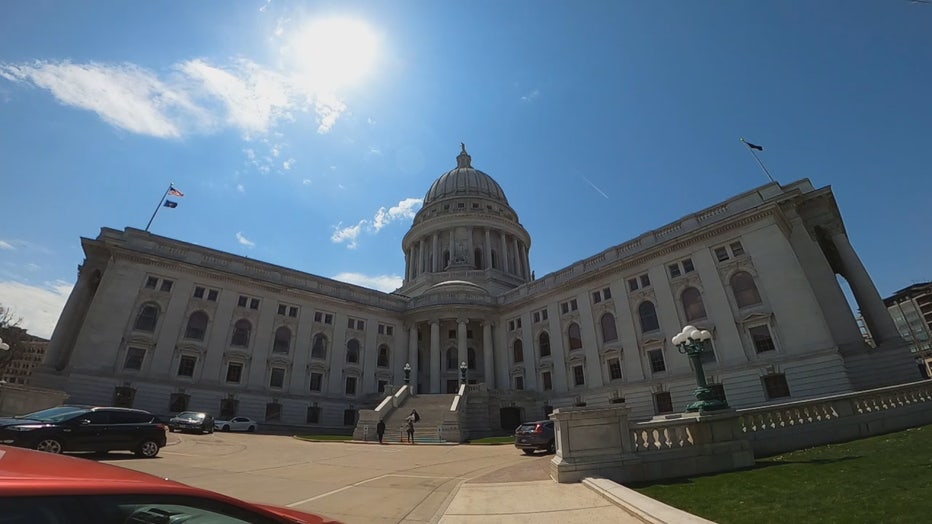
x,y
158,206
753,154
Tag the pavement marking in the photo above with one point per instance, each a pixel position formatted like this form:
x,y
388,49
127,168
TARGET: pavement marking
x,y
360,483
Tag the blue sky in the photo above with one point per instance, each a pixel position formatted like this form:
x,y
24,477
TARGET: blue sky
x,y
305,134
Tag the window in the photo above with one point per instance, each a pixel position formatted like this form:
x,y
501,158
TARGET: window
x,y
199,292
596,297
277,378
519,382
313,415
166,286
352,351
609,331
317,381
273,411
579,376
241,332
282,342
744,289
212,295
663,402
547,379
632,284
648,317
254,303
540,316
186,366
242,301
134,358
543,344
721,254
282,309
688,266
645,281
574,336
234,372
319,348
385,329
512,325
517,351
657,365
349,417
323,318
452,333
736,249
356,324
292,312
382,360
775,386
568,306
152,283
350,386
674,270
760,337
614,369
148,317
607,293
692,304
197,326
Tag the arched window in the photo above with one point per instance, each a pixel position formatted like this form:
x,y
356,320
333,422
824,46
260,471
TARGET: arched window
x,y
692,304
648,315
517,351
319,348
197,326
352,351
609,331
574,336
543,344
147,318
451,359
241,331
470,358
745,290
282,342
477,260
382,361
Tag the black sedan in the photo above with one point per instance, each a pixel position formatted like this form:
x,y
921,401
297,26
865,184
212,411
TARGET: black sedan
x,y
197,421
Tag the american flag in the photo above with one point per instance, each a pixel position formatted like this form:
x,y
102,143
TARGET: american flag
x,y
174,192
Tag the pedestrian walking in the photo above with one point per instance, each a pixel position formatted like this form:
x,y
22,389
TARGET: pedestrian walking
x,y
380,430
410,430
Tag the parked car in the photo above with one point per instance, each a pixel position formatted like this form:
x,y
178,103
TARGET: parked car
x,y
85,428
39,488
237,424
535,436
192,421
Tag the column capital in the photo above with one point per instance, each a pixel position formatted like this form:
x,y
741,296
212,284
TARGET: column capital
x,y
462,321
488,323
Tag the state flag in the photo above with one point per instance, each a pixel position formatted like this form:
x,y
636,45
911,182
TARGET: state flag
x,y
169,203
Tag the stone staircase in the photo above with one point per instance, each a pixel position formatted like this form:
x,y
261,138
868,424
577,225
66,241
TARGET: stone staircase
x,y
433,410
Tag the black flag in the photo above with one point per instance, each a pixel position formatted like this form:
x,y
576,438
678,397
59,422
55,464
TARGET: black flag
x,y
169,203
753,146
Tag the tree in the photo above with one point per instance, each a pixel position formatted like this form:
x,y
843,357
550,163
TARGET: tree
x,y
12,335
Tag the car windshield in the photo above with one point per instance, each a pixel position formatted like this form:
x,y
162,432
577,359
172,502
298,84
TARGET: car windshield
x,y
56,414
188,415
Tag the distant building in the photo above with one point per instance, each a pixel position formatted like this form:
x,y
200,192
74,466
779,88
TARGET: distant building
x,y
166,325
27,357
911,310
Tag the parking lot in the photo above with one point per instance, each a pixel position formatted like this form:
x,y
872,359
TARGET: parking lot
x,y
369,483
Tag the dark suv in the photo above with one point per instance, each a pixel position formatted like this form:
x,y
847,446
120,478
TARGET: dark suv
x,y
192,421
535,436
85,428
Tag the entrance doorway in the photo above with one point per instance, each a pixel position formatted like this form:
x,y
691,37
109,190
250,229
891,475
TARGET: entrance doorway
x,y
510,418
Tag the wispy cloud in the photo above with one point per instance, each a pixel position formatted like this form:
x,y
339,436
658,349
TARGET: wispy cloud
x,y
594,187
38,306
241,238
405,209
532,96
386,283
6,245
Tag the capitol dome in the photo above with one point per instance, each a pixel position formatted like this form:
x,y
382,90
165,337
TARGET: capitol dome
x,y
464,181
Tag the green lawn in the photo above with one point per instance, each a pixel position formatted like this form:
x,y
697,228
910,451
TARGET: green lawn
x,y
494,440
325,437
879,479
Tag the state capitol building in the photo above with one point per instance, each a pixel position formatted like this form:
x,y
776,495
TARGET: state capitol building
x,y
164,325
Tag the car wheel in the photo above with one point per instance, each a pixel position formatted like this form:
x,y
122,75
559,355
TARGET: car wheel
x,y
148,449
552,447
226,427
50,445
528,451
251,429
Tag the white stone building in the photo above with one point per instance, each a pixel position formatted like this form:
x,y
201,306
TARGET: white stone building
x,y
166,325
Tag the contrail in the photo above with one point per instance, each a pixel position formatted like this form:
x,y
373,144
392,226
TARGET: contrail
x,y
594,187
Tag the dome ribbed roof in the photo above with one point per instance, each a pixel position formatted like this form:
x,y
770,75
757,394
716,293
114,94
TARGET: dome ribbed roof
x,y
464,180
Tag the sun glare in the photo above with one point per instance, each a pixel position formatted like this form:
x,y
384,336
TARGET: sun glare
x,y
334,52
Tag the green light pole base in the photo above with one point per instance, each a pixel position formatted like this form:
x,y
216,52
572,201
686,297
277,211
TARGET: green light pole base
x,y
705,401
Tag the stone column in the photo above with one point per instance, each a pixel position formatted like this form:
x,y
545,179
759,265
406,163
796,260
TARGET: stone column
x,y
518,269
435,357
527,261
506,262
461,353
865,293
434,252
421,258
452,247
488,249
412,356
487,354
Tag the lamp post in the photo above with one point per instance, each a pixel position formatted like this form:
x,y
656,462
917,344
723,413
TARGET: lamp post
x,y
691,342
463,369
407,369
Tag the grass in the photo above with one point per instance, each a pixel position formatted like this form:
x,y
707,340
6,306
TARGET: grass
x,y
878,479
325,437
494,440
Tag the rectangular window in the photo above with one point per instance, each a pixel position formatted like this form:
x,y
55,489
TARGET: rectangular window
x,y
632,284
282,309
573,305
152,283
736,249
607,293
390,330
657,364
645,281
134,358
469,334
273,411
596,297
614,368
452,333
543,314
360,325
318,316
293,312
186,366
328,318
519,383
381,329
721,254
564,308
674,270
254,303
242,301
547,380
317,381
351,323
688,266
663,402
776,387
234,372
212,295
350,386
536,317
579,377
199,292
166,286
313,415
760,337
277,378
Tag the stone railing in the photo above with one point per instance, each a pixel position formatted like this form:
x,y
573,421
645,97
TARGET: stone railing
x,y
652,436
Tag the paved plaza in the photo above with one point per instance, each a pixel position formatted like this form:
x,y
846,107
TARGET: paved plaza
x,y
371,483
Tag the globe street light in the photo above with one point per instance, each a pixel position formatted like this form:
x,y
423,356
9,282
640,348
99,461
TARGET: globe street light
x,y
407,369
463,368
691,342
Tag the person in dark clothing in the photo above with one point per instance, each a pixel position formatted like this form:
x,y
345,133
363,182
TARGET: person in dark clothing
x,y
380,430
410,430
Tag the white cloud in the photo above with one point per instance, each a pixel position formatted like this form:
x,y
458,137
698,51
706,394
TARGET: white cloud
x,y
405,209
241,238
241,188
288,164
532,96
6,245
38,306
306,181
386,283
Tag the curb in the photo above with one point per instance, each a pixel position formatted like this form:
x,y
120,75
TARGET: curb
x,y
639,506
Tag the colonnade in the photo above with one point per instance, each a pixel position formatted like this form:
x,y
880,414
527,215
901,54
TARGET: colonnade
x,y
426,255
433,351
